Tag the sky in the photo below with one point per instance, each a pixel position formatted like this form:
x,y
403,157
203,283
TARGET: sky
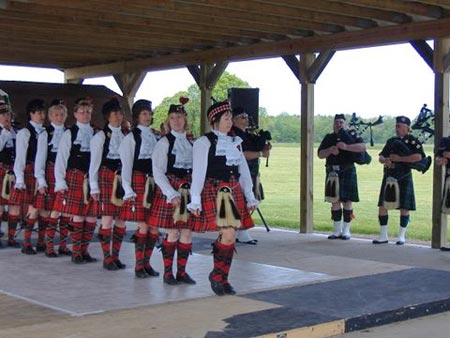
x,y
390,80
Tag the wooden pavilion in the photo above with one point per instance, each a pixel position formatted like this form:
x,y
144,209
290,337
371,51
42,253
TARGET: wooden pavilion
x,y
128,38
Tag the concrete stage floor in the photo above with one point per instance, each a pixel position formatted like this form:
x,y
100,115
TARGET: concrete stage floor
x,y
289,285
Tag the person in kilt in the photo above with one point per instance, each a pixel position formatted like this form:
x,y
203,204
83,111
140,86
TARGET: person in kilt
x,y
57,114
29,170
104,185
253,152
172,168
137,181
7,157
220,180
338,149
397,156
71,186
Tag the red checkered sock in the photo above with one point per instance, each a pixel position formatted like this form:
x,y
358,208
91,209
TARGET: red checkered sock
x,y
183,252
168,251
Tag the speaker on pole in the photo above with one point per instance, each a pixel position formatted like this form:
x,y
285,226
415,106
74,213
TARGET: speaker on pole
x,y
247,98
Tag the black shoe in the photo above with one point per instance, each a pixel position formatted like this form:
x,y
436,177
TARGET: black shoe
x,y
13,243
228,289
376,241
151,272
217,287
252,241
51,254
88,258
64,252
41,248
28,250
186,279
333,236
140,273
345,238
400,243
119,264
170,280
78,259
444,248
111,266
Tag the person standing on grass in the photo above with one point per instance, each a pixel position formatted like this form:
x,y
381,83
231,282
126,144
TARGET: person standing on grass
x,y
220,180
341,186
443,158
397,188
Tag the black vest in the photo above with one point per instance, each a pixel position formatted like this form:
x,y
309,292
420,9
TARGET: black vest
x,y
32,144
142,165
111,164
78,159
178,172
217,167
8,155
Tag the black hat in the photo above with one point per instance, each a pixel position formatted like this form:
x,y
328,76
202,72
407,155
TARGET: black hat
x,y
217,110
238,111
57,102
179,108
112,105
403,120
35,105
339,117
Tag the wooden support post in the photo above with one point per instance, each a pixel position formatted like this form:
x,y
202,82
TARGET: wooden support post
x,y
441,123
129,84
306,144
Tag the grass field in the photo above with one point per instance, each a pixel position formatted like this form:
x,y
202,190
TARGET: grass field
x,y
281,208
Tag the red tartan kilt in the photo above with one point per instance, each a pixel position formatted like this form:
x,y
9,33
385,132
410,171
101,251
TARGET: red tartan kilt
x,y
25,196
74,197
3,170
161,212
105,181
46,202
139,214
207,220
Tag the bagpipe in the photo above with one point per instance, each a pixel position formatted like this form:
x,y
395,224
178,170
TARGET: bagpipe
x,y
361,126
424,123
351,136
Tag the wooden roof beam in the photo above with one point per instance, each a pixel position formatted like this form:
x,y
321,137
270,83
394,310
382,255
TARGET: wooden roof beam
x,y
316,68
339,41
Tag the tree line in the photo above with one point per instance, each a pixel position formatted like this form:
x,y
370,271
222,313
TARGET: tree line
x,y
284,127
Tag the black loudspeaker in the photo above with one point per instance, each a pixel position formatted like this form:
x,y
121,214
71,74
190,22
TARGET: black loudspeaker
x,y
247,98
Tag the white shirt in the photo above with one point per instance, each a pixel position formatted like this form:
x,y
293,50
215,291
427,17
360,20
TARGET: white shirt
x,y
56,138
200,165
6,137
97,143
126,151
182,150
22,143
62,157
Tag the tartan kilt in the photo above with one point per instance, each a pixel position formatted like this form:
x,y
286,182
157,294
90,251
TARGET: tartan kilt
x,y
105,182
74,204
207,220
133,210
4,168
25,196
348,184
46,202
161,212
406,187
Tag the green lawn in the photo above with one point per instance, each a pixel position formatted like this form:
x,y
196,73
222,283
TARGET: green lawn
x,y
281,208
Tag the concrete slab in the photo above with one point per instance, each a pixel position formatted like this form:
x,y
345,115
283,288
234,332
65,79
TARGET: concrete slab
x,y
85,289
